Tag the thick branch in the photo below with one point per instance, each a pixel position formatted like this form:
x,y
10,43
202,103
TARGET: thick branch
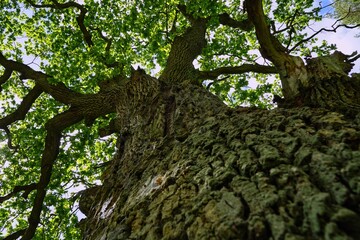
x,y
244,25
86,106
185,49
5,77
22,110
58,91
183,10
54,128
271,48
236,70
85,32
291,69
15,235
27,189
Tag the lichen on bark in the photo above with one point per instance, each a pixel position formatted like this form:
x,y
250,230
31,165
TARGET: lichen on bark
x,y
233,174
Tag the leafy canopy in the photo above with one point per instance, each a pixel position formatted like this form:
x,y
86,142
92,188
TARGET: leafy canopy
x,y
348,11
82,43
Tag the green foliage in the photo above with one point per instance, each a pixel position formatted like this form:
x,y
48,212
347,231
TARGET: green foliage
x,y
141,32
348,11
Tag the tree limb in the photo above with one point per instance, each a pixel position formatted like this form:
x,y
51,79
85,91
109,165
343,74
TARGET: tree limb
x,y
58,91
23,108
56,5
292,71
244,25
10,145
26,188
321,30
183,10
5,77
85,32
15,235
271,48
80,18
109,42
54,128
212,75
185,49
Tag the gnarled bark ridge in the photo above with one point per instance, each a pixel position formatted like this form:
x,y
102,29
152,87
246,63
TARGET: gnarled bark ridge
x,y
230,174
189,167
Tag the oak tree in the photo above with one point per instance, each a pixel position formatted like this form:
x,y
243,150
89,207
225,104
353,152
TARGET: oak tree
x,y
147,105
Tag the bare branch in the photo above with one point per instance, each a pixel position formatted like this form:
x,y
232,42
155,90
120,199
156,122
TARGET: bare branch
x,y
353,57
212,75
322,30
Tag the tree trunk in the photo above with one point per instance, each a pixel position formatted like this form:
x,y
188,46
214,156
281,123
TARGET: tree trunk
x,y
189,167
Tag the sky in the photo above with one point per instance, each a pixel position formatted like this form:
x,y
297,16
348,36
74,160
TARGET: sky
x,y
345,39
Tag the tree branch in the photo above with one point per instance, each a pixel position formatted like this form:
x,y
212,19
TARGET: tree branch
x,y
8,134
27,189
291,69
15,235
109,42
321,30
86,106
56,5
58,91
23,108
54,128
79,19
5,77
185,49
212,75
244,25
271,48
183,10
86,33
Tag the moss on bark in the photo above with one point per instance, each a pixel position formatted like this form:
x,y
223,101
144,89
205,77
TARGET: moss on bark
x,y
232,174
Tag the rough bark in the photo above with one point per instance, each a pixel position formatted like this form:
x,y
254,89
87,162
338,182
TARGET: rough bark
x,y
189,167
221,173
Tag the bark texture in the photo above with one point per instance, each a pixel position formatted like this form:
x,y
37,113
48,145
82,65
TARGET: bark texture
x,y
194,169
